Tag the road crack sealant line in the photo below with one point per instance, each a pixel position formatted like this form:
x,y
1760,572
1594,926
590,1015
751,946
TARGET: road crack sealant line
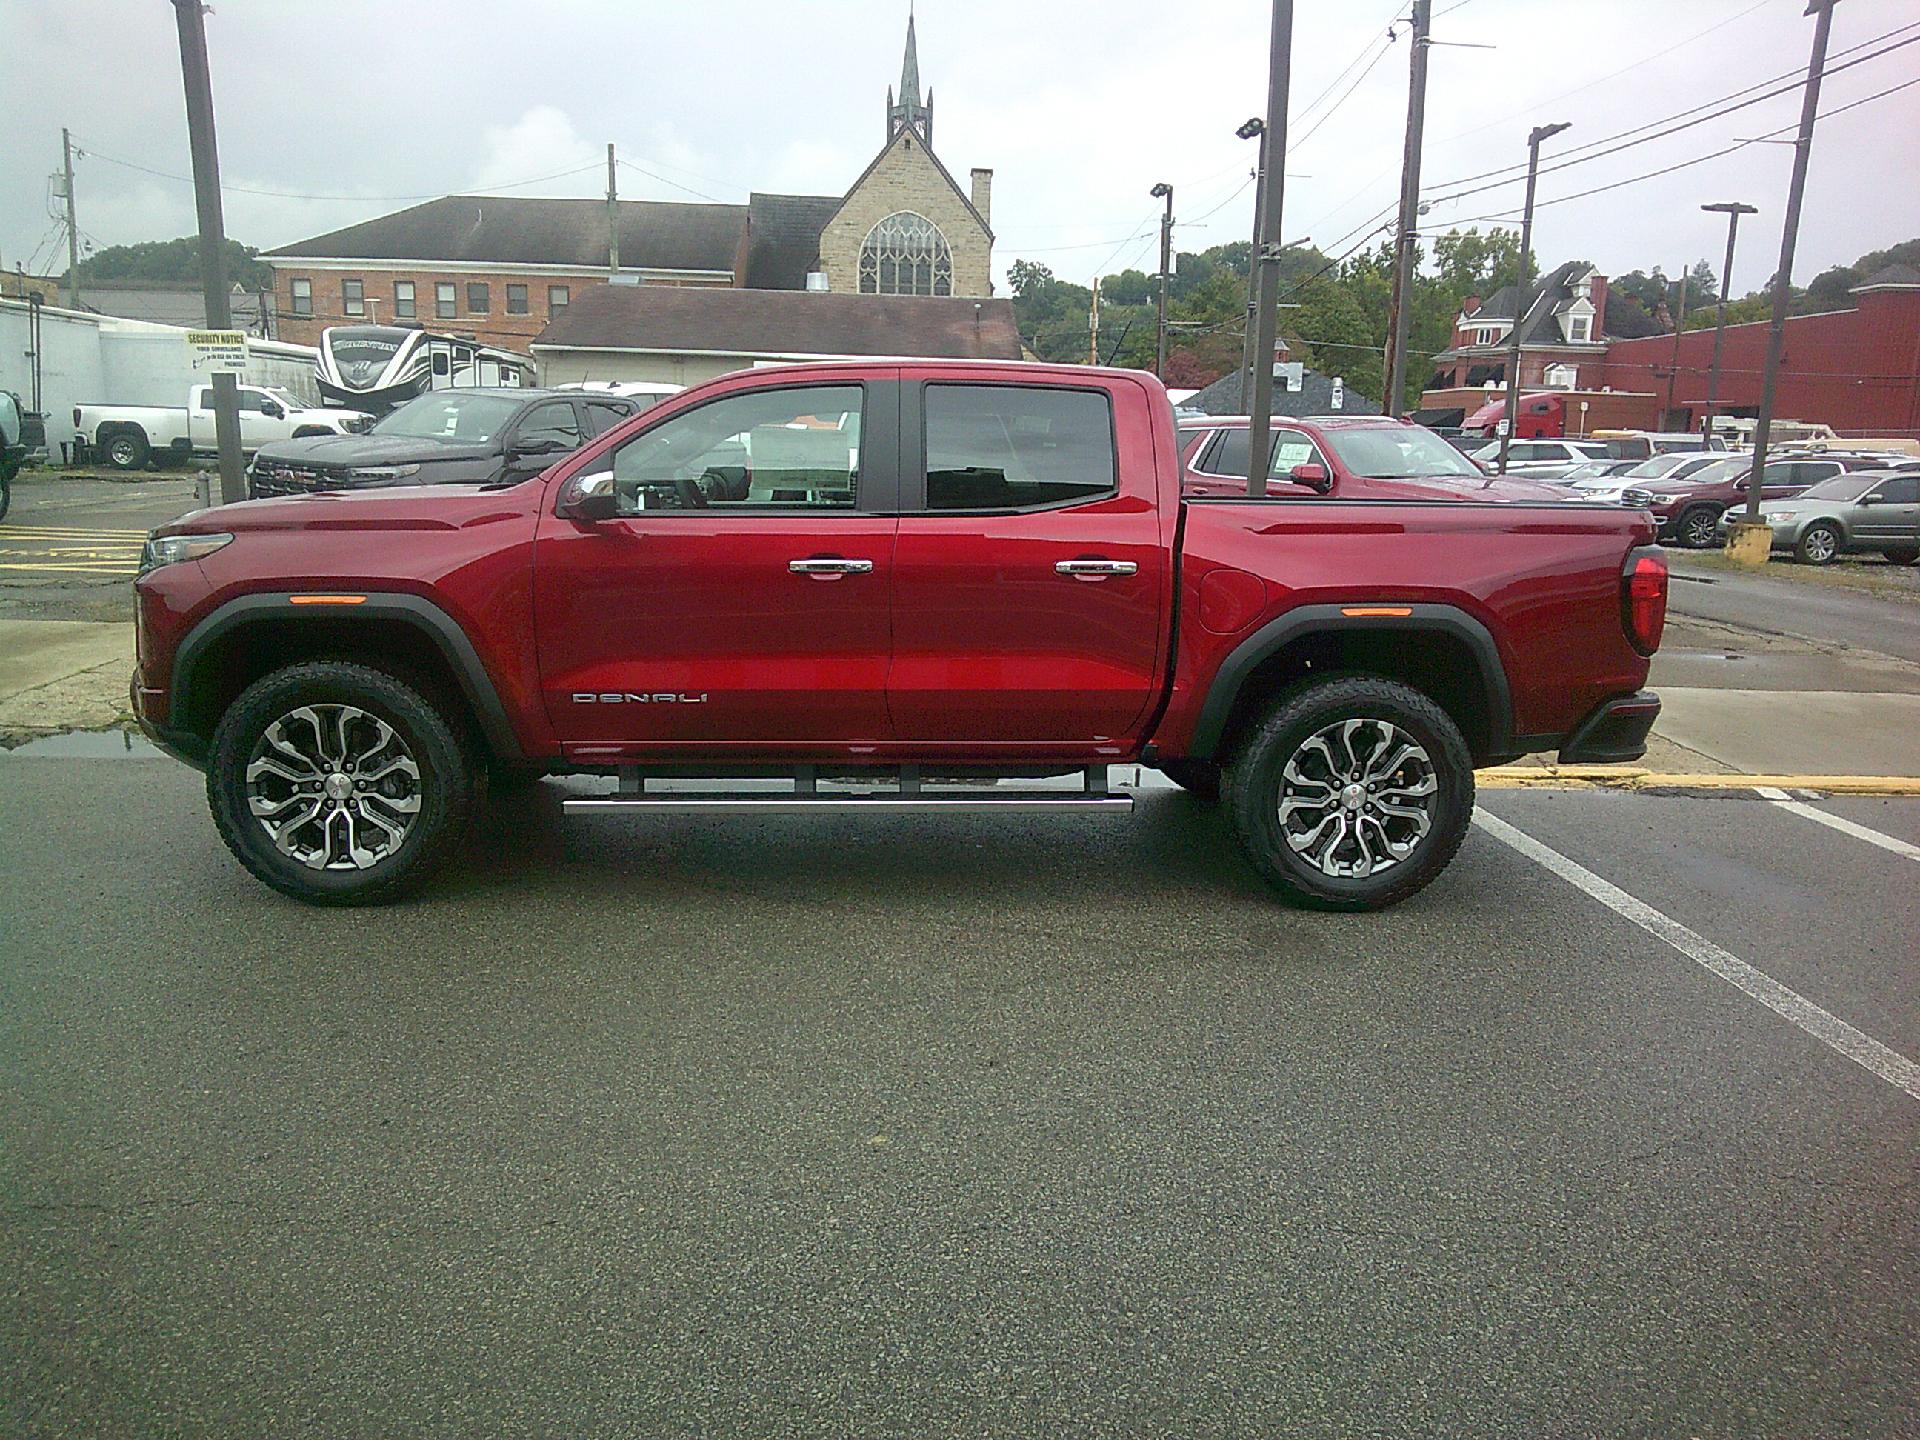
x,y
1823,1025
1627,777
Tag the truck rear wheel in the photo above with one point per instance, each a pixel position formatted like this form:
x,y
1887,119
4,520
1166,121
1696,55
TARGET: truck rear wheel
x,y
127,450
1350,793
338,784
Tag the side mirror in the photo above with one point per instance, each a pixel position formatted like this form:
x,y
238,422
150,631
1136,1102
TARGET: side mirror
x,y
589,498
273,411
1314,476
1871,498
545,445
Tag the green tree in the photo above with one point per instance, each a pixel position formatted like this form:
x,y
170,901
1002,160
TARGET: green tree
x,y
173,260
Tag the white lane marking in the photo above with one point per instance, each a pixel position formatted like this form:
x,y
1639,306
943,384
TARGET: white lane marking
x,y
1826,1027
1840,823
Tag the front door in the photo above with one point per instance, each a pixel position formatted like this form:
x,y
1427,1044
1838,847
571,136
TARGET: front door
x,y
1893,519
738,602
1030,582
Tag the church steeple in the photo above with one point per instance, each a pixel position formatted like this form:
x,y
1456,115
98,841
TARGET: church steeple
x,y
909,111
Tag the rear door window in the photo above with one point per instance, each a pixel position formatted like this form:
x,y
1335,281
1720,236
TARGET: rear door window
x,y
1017,447
1290,448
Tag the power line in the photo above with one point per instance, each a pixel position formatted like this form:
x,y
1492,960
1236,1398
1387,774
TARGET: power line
x,y
93,154
1313,129
674,183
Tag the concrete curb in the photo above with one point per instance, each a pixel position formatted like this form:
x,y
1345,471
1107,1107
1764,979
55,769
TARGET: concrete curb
x,y
1627,777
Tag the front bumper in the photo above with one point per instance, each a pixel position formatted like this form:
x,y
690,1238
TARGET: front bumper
x,y
144,701
1615,731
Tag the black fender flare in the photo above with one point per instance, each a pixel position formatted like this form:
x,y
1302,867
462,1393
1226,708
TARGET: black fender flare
x,y
1307,620
423,615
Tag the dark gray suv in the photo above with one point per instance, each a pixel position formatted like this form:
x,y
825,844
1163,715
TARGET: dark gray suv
x,y
478,436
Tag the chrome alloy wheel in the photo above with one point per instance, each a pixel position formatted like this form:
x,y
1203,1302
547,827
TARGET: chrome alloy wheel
x,y
1357,798
334,787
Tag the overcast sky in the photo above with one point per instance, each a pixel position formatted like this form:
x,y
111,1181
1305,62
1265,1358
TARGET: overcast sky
x,y
352,108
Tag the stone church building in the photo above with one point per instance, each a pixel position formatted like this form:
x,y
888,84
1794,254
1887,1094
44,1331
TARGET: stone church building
x,y
503,268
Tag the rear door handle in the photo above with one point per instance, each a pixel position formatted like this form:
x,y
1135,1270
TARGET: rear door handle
x,y
830,566
1095,569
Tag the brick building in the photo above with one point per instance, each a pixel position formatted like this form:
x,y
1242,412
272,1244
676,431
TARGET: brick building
x,y
1857,370
501,268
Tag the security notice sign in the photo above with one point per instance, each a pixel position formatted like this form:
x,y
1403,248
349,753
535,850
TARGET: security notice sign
x,y
217,350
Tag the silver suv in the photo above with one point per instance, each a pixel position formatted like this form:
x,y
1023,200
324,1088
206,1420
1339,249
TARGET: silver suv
x,y
1854,511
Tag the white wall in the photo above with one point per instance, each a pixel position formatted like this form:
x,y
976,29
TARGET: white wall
x,y
91,359
557,367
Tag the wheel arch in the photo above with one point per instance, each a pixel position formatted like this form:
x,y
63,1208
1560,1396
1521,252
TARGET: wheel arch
x,y
1459,668
252,635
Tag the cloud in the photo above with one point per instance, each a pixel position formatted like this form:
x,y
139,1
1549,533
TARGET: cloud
x,y
542,141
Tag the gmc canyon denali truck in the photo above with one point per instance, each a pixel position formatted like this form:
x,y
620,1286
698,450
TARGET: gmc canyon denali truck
x,y
927,576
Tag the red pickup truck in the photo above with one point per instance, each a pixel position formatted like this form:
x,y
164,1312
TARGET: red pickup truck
x,y
894,585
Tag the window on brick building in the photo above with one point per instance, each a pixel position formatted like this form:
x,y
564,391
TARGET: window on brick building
x,y
353,297
403,300
479,302
558,297
905,254
303,297
443,299
516,299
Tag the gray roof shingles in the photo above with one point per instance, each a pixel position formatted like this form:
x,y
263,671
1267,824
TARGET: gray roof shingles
x,y
1314,397
783,238
784,322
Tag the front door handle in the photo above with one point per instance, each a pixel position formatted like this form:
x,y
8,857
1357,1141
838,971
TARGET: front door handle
x,y
1095,569
830,566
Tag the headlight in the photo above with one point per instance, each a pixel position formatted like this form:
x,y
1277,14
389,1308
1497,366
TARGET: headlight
x,y
1774,517
381,474
172,549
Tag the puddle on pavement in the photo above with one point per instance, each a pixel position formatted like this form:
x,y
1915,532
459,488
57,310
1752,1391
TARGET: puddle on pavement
x,y
88,745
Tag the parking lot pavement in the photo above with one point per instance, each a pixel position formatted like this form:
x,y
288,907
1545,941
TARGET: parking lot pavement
x,y
69,546
955,1126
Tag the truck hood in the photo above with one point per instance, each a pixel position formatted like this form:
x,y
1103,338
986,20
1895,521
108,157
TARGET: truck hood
x,y
1455,487
343,452
387,507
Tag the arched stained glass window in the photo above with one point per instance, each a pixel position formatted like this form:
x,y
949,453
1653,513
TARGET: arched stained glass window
x,y
905,254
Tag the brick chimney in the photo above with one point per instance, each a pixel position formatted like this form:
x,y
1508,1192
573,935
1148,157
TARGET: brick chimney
x,y
1470,306
1599,297
983,194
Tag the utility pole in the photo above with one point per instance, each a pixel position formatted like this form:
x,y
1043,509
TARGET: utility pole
x,y
1400,307
213,239
1673,366
1254,128
1733,210
1520,306
1093,326
1750,538
73,230
1163,191
1266,251
613,218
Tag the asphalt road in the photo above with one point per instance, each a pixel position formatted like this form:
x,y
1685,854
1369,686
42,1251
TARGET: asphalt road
x,y
69,547
950,1127
1769,601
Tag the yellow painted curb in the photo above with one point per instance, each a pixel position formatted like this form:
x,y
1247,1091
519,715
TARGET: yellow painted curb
x,y
1627,777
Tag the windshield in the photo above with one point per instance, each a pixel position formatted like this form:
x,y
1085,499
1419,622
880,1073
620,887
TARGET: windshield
x,y
1656,467
1841,487
285,397
450,415
1395,452
1715,472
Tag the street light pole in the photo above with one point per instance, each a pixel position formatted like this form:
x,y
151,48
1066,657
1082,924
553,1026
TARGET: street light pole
x,y
1520,307
1733,210
1745,538
1163,191
1266,251
1400,307
1256,127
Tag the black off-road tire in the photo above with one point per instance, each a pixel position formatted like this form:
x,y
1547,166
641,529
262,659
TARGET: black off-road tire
x,y
1254,788
1199,778
126,450
1698,528
1899,555
1818,553
446,784
6,491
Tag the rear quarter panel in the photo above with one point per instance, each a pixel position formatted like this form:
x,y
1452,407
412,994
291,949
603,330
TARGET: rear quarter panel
x,y
1544,580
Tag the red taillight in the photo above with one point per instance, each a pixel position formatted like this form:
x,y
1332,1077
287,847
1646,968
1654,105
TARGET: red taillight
x,y
1643,598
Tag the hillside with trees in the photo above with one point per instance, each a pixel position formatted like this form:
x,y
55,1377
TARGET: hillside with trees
x,y
172,261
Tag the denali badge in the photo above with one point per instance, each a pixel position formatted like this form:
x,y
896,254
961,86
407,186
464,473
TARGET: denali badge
x,y
627,697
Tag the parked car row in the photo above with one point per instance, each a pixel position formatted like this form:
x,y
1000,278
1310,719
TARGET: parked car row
x,y
1853,512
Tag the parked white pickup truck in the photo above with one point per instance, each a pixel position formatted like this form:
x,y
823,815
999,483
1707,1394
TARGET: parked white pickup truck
x,y
128,435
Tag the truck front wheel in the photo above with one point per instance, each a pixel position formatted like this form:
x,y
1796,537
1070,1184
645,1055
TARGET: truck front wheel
x,y
127,450
1350,793
338,784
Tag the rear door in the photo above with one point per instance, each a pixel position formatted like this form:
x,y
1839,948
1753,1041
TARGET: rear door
x,y
1030,572
738,601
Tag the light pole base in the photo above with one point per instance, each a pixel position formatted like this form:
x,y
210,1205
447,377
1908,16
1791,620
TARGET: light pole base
x,y
1749,542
